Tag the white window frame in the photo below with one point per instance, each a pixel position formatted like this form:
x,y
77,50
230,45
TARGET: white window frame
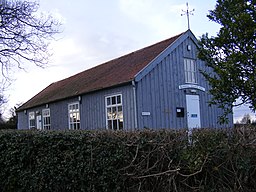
x,y
114,112
31,118
190,69
46,114
74,116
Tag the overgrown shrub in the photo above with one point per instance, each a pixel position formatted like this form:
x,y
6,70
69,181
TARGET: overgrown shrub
x,y
146,160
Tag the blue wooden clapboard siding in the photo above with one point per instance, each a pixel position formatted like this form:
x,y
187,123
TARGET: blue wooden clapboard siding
x,y
22,120
158,92
92,110
58,114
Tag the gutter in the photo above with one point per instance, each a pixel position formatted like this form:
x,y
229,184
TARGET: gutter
x,y
135,104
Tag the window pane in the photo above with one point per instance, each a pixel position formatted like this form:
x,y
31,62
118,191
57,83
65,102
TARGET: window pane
x,y
189,77
193,77
188,65
118,99
109,113
119,108
113,100
115,124
74,118
46,112
32,123
109,124
120,112
193,66
108,101
78,117
70,118
120,124
31,115
114,113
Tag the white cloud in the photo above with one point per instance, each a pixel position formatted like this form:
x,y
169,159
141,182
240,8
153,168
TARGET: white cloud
x,y
163,19
177,8
29,83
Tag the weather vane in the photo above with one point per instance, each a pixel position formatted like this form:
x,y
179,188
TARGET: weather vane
x,y
187,12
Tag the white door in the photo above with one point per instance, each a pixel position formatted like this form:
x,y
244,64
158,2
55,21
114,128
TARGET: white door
x,y
193,111
39,122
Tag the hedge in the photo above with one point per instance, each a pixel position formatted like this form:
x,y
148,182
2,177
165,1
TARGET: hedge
x,y
146,160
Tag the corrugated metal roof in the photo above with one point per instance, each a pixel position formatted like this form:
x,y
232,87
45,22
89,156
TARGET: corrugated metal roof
x,y
112,73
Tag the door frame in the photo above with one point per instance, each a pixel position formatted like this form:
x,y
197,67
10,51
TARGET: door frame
x,y
39,122
193,111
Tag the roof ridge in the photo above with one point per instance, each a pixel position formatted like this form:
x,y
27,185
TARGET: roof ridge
x,y
152,45
122,56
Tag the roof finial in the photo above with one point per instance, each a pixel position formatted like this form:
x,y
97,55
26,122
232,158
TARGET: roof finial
x,y
187,12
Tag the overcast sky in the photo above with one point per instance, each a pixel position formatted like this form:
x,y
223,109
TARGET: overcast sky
x,y
96,31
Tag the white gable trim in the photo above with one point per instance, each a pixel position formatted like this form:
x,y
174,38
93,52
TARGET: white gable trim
x,y
142,73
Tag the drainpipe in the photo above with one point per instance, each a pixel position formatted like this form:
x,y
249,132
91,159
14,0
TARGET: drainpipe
x,y
135,104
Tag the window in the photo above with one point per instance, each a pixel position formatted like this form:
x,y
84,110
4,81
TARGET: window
x,y
74,116
114,112
46,119
190,71
32,120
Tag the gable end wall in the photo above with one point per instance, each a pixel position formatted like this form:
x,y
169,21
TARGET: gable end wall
x,y
158,92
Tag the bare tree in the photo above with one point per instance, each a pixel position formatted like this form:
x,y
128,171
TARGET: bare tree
x,y
25,34
3,99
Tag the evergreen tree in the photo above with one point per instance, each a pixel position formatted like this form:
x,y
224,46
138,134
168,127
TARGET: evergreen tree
x,y
231,54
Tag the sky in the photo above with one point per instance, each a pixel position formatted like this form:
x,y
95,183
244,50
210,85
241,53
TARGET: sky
x,y
97,31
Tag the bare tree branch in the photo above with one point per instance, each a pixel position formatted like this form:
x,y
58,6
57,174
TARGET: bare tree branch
x,y
24,34
158,174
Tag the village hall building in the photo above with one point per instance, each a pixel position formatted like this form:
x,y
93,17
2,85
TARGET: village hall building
x,y
159,86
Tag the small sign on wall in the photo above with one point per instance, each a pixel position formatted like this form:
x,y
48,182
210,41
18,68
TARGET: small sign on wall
x,y
145,113
194,115
180,111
